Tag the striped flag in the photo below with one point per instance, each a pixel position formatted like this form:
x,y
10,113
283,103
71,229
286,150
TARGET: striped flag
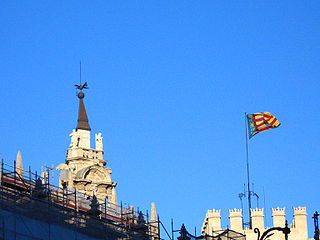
x,y
259,122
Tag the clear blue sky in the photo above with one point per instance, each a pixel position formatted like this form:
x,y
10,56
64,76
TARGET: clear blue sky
x,y
169,84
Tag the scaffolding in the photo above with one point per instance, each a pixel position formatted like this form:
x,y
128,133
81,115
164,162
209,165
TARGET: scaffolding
x,y
26,199
217,235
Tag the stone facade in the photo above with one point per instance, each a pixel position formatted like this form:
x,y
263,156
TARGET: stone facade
x,y
298,227
84,168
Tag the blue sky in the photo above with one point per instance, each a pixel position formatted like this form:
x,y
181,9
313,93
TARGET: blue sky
x,y
170,82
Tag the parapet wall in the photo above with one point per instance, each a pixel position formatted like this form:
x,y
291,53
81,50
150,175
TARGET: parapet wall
x,y
298,226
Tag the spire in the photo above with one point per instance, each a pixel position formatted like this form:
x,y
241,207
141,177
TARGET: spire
x,y
114,197
19,168
154,227
83,122
153,213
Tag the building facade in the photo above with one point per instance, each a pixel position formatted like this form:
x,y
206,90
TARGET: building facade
x,y
84,206
298,227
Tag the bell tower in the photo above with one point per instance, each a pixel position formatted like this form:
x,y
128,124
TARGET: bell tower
x,y
84,169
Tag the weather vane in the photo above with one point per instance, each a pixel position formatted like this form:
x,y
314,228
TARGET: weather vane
x,y
81,87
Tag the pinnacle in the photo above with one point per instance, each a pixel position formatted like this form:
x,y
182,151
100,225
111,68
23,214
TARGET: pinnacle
x,y
114,197
153,213
19,168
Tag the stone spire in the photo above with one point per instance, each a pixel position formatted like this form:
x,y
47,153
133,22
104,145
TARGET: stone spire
x,y
114,197
154,228
83,122
19,168
153,217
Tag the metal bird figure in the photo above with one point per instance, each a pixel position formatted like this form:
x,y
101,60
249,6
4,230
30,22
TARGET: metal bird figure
x,y
80,87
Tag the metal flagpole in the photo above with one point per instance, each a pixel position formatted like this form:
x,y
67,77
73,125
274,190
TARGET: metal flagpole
x,y
249,192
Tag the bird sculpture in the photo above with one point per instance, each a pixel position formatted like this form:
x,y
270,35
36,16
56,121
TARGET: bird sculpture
x,y
80,87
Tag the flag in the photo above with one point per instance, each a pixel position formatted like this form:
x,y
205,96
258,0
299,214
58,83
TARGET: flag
x,y
259,122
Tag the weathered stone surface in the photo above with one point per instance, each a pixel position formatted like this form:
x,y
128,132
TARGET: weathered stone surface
x,y
84,167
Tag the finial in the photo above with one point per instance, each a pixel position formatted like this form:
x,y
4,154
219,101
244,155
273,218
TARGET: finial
x,y
19,168
80,95
81,87
83,122
153,213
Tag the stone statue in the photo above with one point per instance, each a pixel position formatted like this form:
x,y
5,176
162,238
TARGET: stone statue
x,y
74,138
99,145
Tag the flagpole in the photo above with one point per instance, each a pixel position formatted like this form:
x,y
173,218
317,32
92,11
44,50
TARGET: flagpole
x,y
249,192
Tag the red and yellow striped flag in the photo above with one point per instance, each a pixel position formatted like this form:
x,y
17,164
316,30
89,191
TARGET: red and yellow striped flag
x,y
259,122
